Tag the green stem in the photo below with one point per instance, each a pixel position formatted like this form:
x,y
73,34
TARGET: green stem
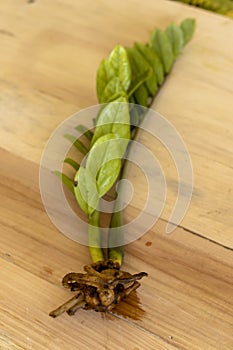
x,y
94,237
116,236
116,239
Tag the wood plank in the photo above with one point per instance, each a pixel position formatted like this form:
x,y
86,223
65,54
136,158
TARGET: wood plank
x,y
210,210
185,302
48,66
25,323
40,88
50,53
199,91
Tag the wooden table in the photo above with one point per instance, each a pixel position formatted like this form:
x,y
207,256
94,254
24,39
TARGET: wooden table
x,y
50,51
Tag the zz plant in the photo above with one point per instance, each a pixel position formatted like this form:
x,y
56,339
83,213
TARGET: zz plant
x,y
128,75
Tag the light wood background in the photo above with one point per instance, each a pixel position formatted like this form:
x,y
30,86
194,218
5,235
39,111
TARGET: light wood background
x,y
50,51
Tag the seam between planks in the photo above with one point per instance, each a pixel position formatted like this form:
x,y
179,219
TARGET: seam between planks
x,y
199,235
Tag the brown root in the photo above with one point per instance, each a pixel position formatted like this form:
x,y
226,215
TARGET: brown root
x,y
101,288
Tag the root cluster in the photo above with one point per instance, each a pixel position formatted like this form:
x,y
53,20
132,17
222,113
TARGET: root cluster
x,y
100,288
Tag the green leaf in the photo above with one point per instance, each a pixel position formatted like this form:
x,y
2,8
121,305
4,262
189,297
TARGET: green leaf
x,y
78,144
137,83
114,118
113,75
141,96
139,76
104,74
85,131
131,99
117,95
136,116
70,161
188,28
152,58
176,38
104,161
65,179
119,61
113,87
161,45
108,175
86,191
141,66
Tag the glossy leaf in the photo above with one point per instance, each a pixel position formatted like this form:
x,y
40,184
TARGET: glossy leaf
x,y
140,65
176,38
114,119
161,45
118,60
108,175
86,190
141,96
113,75
113,88
136,83
188,28
139,76
152,58
104,161
104,74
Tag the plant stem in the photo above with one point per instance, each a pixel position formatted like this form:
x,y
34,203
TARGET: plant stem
x,y
94,237
116,236
116,253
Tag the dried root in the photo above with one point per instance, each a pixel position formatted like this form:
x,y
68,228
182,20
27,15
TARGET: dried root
x,y
101,288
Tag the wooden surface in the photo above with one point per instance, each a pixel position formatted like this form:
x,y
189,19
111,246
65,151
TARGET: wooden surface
x,y
50,51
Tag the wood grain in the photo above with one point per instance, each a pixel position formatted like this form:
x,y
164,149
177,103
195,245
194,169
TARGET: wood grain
x,y
49,55
182,296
